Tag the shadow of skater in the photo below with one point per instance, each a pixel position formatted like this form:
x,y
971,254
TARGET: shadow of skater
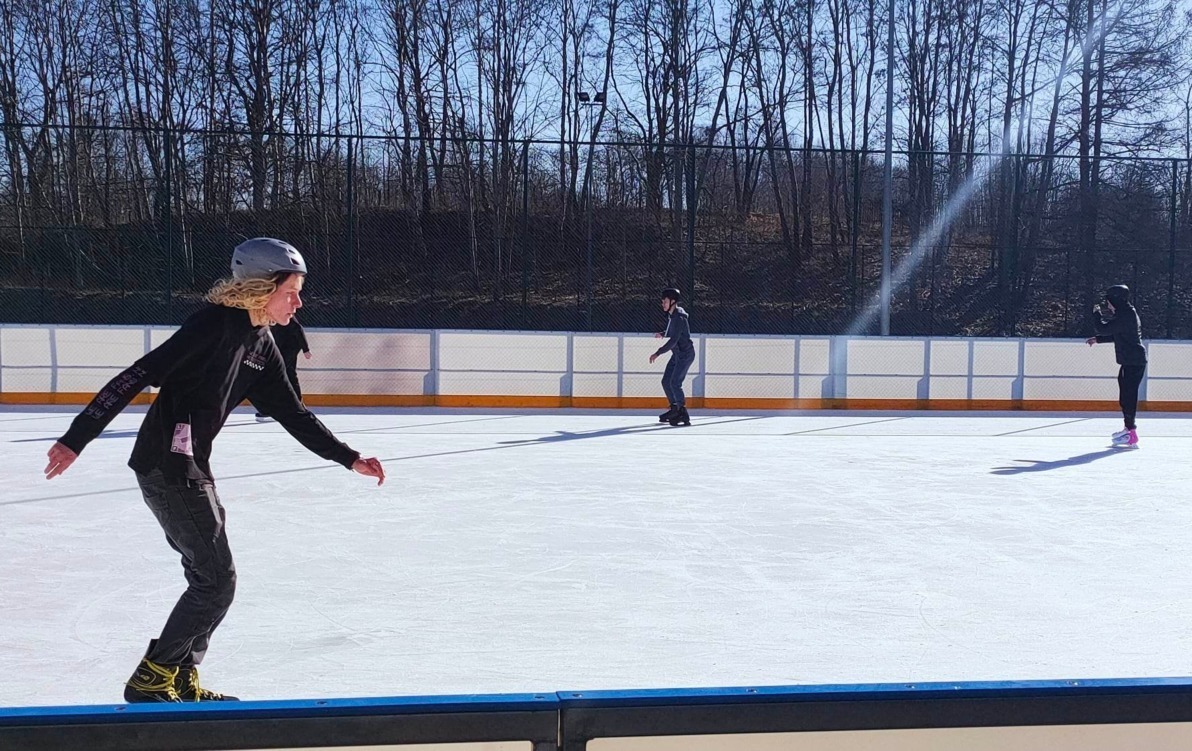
x,y
1038,465
563,435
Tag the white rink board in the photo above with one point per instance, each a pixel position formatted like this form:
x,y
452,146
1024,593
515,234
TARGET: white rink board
x,y
47,359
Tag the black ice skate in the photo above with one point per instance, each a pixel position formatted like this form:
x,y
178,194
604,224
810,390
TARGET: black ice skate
x,y
189,689
150,683
680,418
667,415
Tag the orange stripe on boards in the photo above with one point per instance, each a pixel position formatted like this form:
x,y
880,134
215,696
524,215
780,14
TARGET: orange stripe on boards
x,y
62,397
647,402
368,400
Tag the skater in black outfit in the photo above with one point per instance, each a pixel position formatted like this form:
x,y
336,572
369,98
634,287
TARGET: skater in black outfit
x,y
291,339
219,356
678,343
1118,322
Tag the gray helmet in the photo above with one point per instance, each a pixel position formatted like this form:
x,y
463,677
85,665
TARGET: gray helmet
x,y
262,257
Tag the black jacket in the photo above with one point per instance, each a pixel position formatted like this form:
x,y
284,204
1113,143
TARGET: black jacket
x,y
1125,331
678,333
213,362
291,339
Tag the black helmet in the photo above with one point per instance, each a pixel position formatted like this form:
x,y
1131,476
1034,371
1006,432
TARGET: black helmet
x,y
672,293
1118,295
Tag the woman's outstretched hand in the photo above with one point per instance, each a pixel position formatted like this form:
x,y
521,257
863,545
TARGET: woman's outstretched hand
x,y
370,467
60,458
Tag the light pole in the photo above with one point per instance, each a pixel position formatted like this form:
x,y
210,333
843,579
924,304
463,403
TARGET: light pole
x,y
585,100
888,175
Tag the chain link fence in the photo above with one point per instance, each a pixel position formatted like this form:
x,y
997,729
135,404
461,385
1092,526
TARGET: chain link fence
x,y
110,225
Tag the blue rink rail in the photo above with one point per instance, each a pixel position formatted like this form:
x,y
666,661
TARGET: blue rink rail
x,y
1094,715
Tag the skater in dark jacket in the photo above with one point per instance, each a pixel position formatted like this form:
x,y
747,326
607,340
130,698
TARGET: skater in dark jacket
x,y
1118,322
678,343
291,339
219,356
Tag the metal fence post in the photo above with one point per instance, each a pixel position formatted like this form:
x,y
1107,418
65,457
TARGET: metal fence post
x,y
168,141
350,232
1175,177
525,239
691,209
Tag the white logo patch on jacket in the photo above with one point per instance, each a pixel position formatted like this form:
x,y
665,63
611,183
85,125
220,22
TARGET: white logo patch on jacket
x,y
182,443
255,361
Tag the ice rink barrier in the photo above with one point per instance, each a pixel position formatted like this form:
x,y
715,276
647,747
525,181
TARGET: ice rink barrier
x,y
515,369
1069,715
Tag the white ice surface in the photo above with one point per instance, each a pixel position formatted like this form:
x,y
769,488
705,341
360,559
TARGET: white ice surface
x,y
546,551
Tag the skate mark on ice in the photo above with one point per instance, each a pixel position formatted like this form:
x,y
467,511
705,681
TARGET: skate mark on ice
x,y
850,425
68,496
396,428
1041,427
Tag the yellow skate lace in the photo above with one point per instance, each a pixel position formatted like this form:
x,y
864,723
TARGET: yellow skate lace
x,y
153,678
202,694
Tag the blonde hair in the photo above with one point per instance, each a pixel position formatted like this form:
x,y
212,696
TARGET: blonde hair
x,y
246,294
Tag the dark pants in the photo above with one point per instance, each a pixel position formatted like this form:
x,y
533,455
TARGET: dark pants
x,y
193,520
672,378
1129,378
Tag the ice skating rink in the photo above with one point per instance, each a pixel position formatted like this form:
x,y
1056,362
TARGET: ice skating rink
x,y
543,551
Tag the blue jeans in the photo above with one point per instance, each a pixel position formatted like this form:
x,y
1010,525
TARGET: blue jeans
x,y
672,378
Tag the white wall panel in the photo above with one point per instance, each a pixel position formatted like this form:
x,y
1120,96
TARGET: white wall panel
x,y
500,384
33,380
949,358
886,357
994,388
881,387
99,346
813,387
742,355
1070,389
369,350
995,358
815,356
500,351
749,386
1068,358
1175,390
594,384
361,382
1169,359
25,347
947,387
595,354
639,348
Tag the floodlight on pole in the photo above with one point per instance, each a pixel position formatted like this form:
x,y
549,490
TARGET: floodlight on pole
x,y
589,101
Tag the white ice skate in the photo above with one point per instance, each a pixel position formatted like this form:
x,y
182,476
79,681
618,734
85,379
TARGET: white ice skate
x,y
1125,439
